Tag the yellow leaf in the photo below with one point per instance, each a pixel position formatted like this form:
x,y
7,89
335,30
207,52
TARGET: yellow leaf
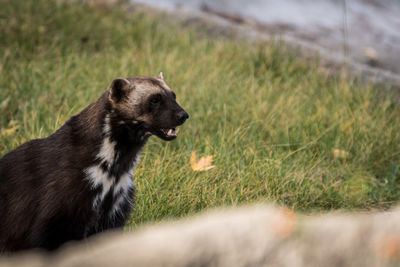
x,y
204,163
9,131
347,125
339,153
4,103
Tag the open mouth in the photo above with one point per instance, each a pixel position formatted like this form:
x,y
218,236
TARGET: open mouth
x,y
168,134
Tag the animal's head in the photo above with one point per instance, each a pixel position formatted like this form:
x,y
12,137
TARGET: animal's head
x,y
149,102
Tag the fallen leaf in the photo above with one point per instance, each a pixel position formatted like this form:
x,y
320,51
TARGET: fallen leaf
x,y
389,247
283,222
4,103
9,131
204,163
339,153
347,125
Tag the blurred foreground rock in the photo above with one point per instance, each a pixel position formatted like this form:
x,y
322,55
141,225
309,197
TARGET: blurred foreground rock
x,y
252,236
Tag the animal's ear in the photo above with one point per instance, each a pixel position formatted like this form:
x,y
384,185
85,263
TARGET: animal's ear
x,y
160,76
118,89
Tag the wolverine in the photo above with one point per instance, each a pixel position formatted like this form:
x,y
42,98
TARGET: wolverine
x,y
78,181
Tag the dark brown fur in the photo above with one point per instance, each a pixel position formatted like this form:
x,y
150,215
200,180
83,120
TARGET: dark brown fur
x,y
45,198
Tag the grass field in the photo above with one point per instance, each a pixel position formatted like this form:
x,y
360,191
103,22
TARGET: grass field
x,y
271,121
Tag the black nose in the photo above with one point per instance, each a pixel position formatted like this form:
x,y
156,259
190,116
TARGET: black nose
x,y
182,116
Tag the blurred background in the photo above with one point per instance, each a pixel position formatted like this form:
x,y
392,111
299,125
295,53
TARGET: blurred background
x,y
364,31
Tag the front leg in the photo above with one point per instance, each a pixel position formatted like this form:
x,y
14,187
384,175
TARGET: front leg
x,y
114,211
50,234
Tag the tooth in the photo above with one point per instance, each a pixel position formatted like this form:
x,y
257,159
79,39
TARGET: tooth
x,y
170,132
176,130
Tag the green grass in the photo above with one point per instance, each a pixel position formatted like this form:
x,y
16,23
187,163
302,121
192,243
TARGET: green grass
x,y
270,120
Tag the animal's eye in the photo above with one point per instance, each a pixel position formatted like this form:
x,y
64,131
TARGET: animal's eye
x,y
155,99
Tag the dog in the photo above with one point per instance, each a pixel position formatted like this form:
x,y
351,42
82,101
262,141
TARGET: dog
x,y
78,181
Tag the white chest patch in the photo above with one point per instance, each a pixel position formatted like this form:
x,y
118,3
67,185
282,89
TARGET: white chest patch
x,y
100,178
